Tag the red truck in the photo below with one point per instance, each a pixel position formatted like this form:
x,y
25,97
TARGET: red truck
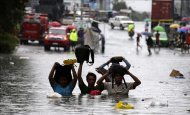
x,y
33,28
162,12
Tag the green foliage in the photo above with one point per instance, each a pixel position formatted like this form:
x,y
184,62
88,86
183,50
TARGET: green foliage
x,y
11,12
8,43
138,16
118,6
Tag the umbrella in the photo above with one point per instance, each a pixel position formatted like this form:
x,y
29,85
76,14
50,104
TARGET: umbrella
x,y
146,33
159,28
186,19
54,24
182,29
174,26
147,19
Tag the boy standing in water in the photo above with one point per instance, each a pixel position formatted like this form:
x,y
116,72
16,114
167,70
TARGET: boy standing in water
x,y
60,79
90,88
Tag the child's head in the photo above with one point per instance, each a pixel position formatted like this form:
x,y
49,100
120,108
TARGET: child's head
x,y
118,78
118,71
63,81
63,75
91,79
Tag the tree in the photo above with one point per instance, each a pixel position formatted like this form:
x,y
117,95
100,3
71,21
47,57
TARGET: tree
x,y
119,5
11,12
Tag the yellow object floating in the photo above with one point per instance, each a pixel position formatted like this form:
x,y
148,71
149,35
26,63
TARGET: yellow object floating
x,y
121,105
69,61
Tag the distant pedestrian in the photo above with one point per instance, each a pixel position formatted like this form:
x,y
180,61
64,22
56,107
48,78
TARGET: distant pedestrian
x,y
149,43
81,36
138,41
157,35
182,37
146,26
102,37
73,39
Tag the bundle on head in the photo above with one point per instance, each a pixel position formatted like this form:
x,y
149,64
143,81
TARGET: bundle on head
x,y
118,69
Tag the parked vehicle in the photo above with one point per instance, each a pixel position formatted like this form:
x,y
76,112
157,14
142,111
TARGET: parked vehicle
x,y
164,41
33,28
58,37
120,21
162,13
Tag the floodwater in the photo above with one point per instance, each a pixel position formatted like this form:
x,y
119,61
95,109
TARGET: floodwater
x,y
24,84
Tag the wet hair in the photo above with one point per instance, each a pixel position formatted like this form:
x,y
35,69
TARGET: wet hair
x,y
63,71
118,69
90,74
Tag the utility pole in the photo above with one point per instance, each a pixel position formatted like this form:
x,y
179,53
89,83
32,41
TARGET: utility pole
x,y
81,9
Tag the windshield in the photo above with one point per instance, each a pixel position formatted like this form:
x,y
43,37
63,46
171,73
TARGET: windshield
x,y
162,34
57,31
125,18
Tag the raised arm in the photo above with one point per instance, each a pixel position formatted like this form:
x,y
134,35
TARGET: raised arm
x,y
74,81
51,74
81,82
137,81
100,80
101,68
128,65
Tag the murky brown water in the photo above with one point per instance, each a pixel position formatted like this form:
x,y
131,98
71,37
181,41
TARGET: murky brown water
x,y
24,81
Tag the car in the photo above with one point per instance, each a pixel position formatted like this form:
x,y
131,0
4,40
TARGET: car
x,y
164,40
120,21
58,37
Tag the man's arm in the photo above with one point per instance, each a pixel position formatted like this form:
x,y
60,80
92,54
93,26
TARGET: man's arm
x,y
51,74
100,80
74,81
81,82
128,65
101,68
137,81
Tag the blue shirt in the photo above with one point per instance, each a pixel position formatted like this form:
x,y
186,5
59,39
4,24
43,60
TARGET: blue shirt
x,y
64,91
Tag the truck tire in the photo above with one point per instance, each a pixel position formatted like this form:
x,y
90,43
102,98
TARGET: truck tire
x,y
112,26
46,48
121,27
41,42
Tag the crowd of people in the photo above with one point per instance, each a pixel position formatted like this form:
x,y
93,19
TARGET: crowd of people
x,y
112,79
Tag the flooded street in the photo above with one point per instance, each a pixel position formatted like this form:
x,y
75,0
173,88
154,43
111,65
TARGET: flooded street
x,y
24,84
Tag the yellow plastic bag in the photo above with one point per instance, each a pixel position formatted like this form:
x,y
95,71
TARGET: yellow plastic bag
x,y
69,61
121,105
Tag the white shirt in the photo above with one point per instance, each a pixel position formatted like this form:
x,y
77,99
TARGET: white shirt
x,y
121,89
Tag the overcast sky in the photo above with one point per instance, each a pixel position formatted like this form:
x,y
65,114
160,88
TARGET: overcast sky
x,y
140,5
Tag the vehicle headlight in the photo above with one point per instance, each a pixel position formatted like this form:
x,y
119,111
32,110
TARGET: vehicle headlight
x,y
65,38
46,37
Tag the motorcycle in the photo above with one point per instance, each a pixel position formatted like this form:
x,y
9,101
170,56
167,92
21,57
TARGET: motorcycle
x,y
131,33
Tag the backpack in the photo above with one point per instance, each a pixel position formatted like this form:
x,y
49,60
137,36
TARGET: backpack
x,y
83,53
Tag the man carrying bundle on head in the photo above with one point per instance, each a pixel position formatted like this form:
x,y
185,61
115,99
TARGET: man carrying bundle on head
x,y
118,84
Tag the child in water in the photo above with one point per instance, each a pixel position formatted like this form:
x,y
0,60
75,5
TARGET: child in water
x,y
90,88
60,79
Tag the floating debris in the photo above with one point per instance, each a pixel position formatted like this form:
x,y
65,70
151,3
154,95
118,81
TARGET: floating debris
x,y
24,58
